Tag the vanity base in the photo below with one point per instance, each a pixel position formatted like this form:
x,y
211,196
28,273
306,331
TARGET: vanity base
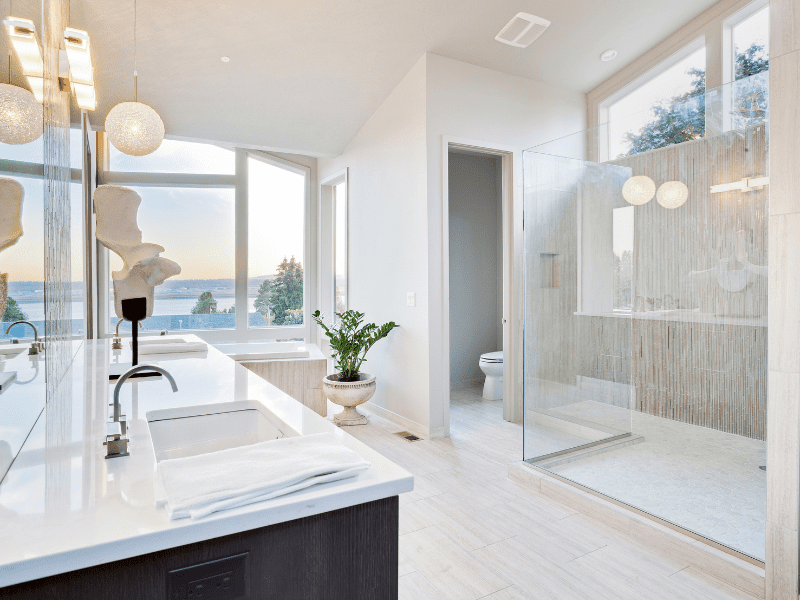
x,y
347,554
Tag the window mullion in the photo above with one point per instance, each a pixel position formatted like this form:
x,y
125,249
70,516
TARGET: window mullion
x,y
241,201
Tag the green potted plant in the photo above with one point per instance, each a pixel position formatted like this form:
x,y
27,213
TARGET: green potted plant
x,y
350,341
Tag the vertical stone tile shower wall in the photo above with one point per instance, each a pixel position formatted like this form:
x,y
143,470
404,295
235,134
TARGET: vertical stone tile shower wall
x,y
58,296
711,368
694,347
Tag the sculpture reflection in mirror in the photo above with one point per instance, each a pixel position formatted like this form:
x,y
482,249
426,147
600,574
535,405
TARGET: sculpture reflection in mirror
x,y
11,194
143,269
735,287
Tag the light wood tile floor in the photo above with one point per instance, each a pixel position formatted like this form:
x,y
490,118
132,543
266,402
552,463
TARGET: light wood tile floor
x,y
468,532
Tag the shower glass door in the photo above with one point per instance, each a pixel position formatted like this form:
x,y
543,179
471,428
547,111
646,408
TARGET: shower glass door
x,y
646,317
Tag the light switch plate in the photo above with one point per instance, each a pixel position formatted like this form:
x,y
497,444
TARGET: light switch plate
x,y
411,299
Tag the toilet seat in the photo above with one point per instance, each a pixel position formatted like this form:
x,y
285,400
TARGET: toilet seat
x,y
492,357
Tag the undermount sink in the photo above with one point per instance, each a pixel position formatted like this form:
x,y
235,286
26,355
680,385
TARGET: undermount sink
x,y
190,431
12,351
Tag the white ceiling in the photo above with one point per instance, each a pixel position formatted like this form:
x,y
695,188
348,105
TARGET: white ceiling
x,y
305,75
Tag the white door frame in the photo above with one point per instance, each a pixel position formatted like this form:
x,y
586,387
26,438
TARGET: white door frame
x,y
511,200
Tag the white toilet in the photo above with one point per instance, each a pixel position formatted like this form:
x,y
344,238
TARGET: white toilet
x,y
491,364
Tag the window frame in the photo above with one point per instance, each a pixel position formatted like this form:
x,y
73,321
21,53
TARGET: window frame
x,y
239,182
327,245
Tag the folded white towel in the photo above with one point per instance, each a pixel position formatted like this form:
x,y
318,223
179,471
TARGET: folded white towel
x,y
145,348
197,486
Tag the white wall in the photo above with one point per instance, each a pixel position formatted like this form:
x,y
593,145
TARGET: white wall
x,y
470,102
388,241
475,262
396,208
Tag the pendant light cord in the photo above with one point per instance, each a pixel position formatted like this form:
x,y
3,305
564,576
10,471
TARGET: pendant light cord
x,y
10,14
135,75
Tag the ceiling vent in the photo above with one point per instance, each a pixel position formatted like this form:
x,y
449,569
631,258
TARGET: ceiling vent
x,y
522,30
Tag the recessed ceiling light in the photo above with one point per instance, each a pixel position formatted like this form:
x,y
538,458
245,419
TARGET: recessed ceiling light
x,y
608,55
228,58
522,30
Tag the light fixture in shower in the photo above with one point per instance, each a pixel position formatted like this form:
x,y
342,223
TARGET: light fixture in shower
x,y
638,190
672,194
748,184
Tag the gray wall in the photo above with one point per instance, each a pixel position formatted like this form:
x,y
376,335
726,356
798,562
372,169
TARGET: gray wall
x,y
475,262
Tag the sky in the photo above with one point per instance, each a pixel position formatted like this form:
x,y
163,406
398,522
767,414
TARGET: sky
x,y
194,225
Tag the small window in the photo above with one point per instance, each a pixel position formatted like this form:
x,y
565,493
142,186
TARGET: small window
x,y
175,156
750,39
340,246
276,225
668,109
623,257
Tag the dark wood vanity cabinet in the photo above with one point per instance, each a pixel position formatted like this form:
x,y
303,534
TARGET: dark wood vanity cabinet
x,y
347,554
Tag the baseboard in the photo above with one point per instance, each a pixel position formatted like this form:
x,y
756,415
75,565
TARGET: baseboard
x,y
466,383
407,424
713,559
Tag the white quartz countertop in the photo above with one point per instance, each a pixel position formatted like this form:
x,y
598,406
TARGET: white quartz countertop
x,y
63,506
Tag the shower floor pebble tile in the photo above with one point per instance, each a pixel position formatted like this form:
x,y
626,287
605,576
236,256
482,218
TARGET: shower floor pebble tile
x,y
704,480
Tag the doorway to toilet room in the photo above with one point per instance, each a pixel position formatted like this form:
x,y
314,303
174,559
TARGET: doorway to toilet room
x,y
475,219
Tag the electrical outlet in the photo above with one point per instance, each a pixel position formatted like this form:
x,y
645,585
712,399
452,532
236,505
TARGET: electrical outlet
x,y
216,587
411,299
223,579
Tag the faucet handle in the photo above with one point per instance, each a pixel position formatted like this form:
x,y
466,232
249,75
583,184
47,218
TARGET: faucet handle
x,y
116,443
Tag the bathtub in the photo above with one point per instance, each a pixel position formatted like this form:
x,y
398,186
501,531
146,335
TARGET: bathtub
x,y
264,350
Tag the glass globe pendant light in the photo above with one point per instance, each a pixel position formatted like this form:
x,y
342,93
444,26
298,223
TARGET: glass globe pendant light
x,y
133,127
639,190
20,115
672,194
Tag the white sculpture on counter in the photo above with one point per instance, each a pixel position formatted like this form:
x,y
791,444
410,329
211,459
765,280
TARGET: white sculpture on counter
x,y
143,269
11,194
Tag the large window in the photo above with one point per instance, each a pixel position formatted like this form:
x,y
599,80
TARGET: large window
x,y
215,210
195,226
667,109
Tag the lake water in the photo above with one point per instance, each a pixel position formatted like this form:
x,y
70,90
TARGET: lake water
x,y
34,311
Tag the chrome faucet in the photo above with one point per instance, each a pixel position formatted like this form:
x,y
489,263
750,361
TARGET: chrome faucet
x,y
116,431
116,343
36,346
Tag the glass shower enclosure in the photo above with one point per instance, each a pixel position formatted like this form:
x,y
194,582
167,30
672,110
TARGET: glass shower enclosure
x,y
645,343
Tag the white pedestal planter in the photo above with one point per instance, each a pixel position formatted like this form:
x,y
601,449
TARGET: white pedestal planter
x,y
349,394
